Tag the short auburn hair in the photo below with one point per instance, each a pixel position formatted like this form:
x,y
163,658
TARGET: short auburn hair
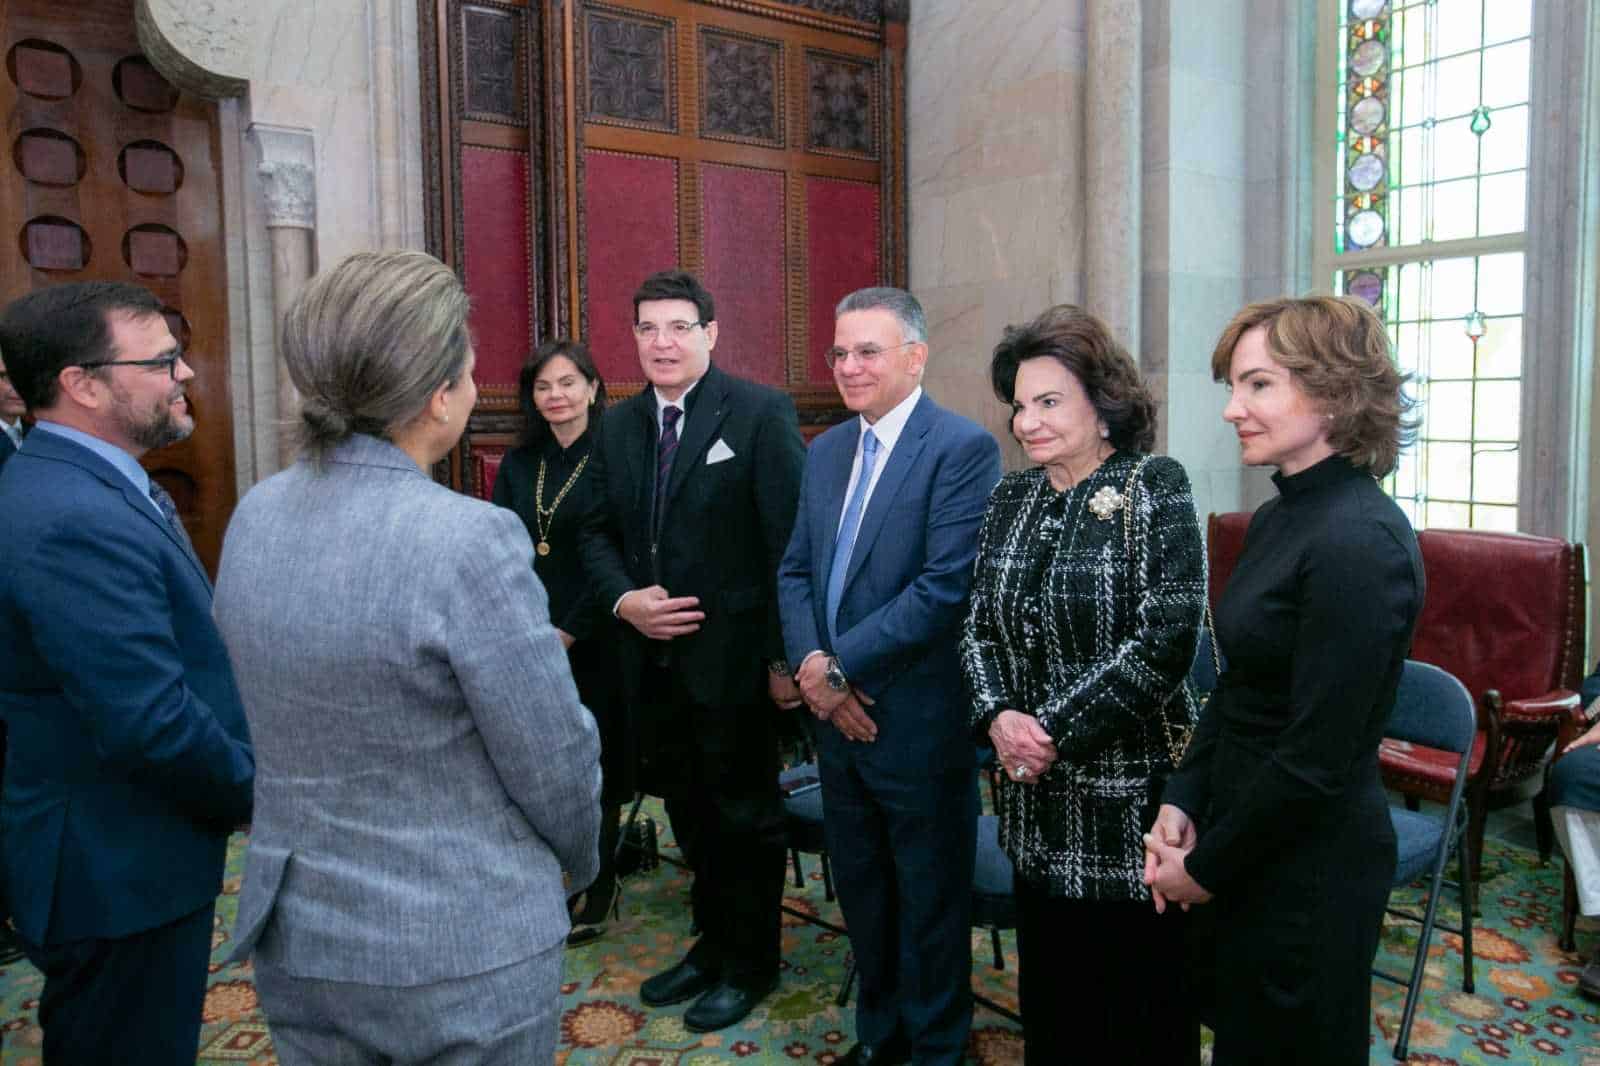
x,y
1337,352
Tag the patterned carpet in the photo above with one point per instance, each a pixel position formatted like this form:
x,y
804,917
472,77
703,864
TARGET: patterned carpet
x,y
1526,1009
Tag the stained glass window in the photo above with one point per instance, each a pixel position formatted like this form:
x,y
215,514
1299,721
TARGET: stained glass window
x,y
1430,128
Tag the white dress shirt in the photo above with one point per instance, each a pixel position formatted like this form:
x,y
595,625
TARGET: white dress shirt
x,y
887,429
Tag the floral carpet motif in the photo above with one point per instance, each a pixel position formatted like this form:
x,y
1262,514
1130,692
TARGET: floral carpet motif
x,y
1525,1010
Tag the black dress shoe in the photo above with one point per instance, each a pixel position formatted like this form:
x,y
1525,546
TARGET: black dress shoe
x,y
725,1005
1589,980
683,981
889,1053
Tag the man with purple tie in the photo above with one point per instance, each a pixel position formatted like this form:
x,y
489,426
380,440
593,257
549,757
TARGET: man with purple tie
x,y
698,477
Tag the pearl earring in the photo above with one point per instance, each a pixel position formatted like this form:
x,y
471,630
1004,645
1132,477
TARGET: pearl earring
x,y
1105,433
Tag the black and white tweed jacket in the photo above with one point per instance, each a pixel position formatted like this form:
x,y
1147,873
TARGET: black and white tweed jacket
x,y
1057,629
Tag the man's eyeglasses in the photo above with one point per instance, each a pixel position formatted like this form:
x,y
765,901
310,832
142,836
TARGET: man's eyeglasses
x,y
168,362
649,331
867,354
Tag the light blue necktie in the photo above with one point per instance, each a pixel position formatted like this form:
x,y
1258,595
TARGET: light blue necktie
x,y
848,529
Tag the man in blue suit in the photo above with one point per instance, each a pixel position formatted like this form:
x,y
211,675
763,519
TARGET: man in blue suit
x,y
129,759
873,591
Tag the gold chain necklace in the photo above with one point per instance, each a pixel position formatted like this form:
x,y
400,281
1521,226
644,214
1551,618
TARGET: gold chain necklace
x,y
543,516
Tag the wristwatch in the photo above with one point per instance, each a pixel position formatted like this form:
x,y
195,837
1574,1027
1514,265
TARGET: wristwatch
x,y
834,676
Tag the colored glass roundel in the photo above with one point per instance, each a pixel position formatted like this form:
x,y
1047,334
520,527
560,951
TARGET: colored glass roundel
x,y
1367,9
1364,228
1366,284
1369,57
1367,171
1367,115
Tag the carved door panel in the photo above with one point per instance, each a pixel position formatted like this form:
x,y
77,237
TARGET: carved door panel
x,y
113,174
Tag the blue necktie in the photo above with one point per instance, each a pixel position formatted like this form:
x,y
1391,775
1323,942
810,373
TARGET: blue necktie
x,y
848,530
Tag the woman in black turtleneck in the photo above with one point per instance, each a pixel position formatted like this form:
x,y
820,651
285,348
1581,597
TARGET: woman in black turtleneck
x,y
545,480
1277,820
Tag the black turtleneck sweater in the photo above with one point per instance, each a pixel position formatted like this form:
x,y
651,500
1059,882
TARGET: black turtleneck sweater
x,y
1314,626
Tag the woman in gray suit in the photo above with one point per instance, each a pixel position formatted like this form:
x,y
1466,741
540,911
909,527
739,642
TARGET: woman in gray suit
x,y
426,775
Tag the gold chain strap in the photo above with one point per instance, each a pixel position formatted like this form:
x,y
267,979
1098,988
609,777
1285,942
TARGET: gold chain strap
x,y
1178,735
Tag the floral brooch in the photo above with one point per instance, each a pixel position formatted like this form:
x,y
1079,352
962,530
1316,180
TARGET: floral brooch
x,y
1105,503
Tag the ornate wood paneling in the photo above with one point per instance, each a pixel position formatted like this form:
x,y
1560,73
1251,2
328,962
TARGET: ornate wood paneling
x,y
629,73
658,133
841,105
741,88
114,175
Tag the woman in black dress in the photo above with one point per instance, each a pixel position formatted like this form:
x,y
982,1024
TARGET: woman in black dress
x,y
545,481
1277,818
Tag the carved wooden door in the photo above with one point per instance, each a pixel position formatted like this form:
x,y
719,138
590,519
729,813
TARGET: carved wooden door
x,y
113,174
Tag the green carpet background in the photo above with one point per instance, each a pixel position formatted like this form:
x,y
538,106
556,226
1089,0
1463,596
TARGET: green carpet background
x,y
1526,1009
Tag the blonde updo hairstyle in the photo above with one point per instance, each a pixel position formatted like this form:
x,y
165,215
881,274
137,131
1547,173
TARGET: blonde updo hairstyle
x,y
369,340
1337,351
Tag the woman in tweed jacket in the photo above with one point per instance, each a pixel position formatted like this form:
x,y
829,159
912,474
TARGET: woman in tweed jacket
x,y
1086,604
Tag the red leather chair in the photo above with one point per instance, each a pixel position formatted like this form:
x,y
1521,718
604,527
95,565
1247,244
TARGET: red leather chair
x,y
1504,612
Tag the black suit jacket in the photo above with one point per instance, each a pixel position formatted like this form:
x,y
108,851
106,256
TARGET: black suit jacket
x,y
724,527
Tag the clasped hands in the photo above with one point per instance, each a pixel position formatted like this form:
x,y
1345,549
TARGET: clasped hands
x,y
847,710
1168,843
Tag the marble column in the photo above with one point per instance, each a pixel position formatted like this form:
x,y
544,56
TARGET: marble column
x,y
288,187
1111,149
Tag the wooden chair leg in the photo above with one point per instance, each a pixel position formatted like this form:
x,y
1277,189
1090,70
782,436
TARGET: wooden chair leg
x,y
1544,830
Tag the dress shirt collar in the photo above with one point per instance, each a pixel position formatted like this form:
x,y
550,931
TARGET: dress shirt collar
x,y
681,403
13,430
126,464
888,428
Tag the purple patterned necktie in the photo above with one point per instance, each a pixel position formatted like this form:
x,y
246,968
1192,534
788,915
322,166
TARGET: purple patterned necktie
x,y
664,453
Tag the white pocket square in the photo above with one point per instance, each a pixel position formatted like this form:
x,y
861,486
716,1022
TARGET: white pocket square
x,y
719,452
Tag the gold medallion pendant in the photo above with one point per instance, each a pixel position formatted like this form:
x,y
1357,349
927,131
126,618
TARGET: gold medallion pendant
x,y
542,548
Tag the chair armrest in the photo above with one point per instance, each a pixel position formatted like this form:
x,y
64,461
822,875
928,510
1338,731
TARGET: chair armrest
x,y
1547,708
1572,724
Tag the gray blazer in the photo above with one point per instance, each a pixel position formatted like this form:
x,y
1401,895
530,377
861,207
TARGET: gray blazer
x,y
424,770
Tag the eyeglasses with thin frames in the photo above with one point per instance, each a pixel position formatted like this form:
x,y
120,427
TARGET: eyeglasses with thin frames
x,y
678,330
867,354
169,362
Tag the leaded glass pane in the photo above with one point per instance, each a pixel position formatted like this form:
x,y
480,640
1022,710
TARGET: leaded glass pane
x,y
1500,519
1494,476
1500,350
1500,284
1496,411
1502,203
1449,410
1448,515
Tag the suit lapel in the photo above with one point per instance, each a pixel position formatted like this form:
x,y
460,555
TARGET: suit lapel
x,y
7,449
904,456
640,454
710,411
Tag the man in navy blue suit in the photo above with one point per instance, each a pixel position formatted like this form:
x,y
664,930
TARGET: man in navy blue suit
x,y
129,758
872,592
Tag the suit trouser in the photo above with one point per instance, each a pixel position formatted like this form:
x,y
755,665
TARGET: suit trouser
x,y
901,846
134,999
505,1017
717,770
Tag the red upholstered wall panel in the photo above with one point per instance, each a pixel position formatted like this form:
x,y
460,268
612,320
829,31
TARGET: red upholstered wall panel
x,y
632,215
842,256
744,256
494,207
